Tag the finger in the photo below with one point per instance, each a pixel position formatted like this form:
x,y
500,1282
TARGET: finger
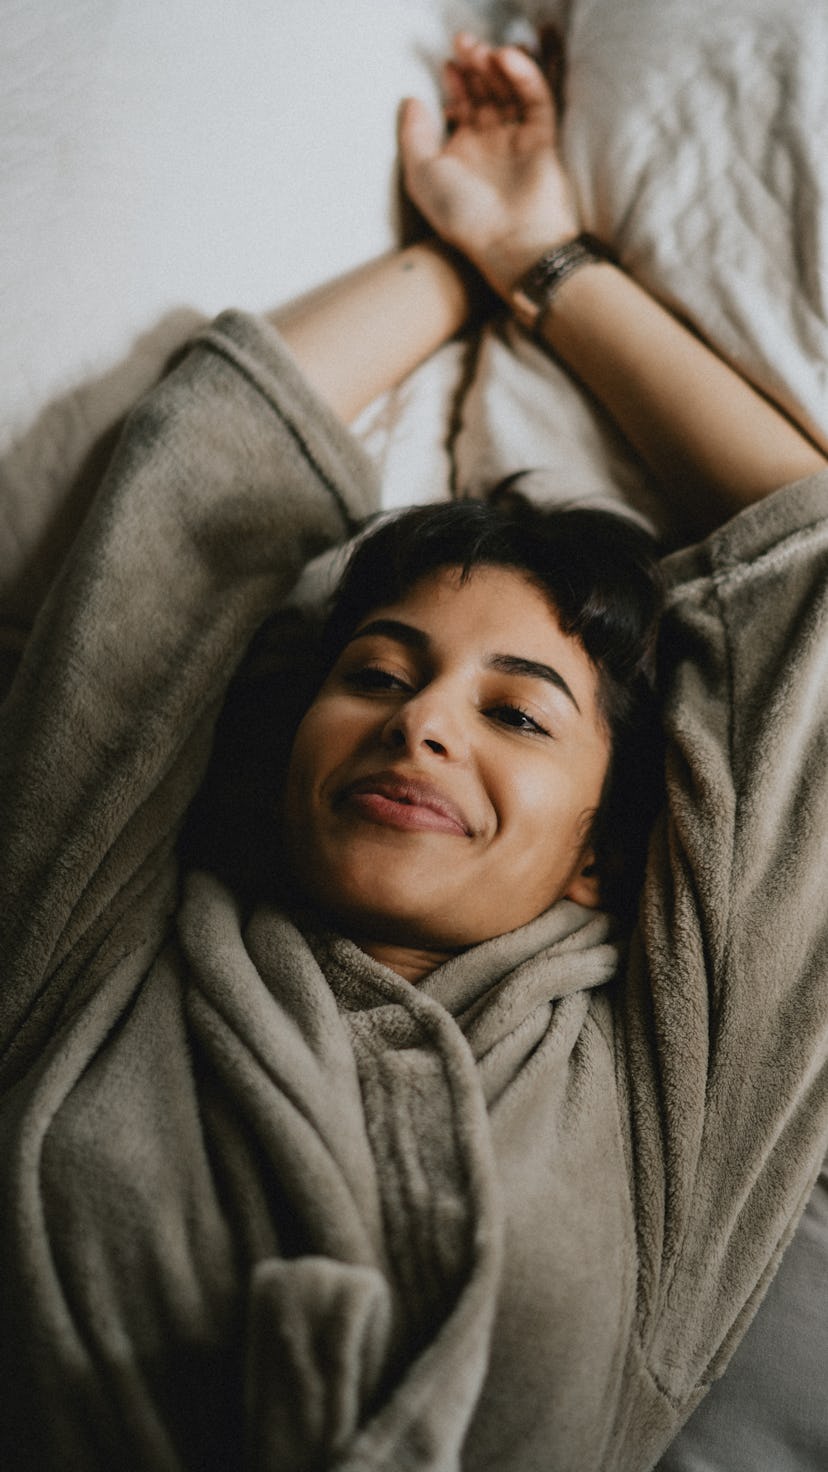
x,y
476,86
464,43
511,96
419,132
531,93
500,87
458,103
470,59
491,92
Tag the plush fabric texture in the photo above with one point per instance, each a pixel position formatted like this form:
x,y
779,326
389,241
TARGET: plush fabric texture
x,y
266,1205
768,1412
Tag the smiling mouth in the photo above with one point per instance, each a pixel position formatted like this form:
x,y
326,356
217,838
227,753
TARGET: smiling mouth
x,y
404,803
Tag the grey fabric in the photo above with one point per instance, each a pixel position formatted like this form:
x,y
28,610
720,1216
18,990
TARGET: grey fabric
x,y
769,1412
264,1203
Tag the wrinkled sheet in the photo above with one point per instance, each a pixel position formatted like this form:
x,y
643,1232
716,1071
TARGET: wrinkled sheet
x,y
695,134
160,165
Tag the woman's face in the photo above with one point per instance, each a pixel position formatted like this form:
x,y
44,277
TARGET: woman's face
x,y
442,783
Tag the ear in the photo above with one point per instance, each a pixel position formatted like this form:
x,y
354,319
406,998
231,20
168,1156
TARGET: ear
x,y
585,885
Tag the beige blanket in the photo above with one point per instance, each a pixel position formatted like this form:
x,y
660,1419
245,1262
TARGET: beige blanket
x,y
266,1205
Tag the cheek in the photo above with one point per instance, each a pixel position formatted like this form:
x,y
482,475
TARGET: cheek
x,y
308,754
542,799
528,795
331,732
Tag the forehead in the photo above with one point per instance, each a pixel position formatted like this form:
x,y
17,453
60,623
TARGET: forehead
x,y
494,611
478,606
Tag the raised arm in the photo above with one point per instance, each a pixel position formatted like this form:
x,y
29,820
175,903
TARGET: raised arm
x,y
494,187
361,334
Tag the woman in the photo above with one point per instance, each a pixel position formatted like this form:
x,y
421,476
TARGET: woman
x,y
422,1170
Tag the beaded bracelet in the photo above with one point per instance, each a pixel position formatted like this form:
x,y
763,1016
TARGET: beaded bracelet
x,y
534,292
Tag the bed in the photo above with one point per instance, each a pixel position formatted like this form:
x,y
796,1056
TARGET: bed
x,y
163,161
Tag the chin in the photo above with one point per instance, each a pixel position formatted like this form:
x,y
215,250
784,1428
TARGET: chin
x,y
388,912
379,917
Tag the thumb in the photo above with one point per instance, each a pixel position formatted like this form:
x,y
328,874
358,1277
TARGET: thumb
x,y
419,132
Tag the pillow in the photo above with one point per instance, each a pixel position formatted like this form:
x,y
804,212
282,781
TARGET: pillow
x,y
696,138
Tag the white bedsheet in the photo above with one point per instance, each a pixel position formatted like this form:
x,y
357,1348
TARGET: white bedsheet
x,y
161,161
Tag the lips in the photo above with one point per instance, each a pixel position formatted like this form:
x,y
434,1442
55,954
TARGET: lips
x,y
390,799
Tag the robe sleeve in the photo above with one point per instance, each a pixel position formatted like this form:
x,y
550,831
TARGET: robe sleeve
x,y
724,1019
228,477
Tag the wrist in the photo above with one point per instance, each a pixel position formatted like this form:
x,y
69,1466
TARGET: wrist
x,y
506,262
534,292
453,275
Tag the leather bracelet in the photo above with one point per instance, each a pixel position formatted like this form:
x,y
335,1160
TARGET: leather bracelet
x,y
534,292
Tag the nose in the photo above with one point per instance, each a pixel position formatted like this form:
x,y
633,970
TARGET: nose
x,y
430,718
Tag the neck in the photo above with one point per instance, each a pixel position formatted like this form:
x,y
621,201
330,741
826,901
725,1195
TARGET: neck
x,y
409,962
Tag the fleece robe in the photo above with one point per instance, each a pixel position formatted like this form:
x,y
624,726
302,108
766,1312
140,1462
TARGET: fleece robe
x,y
265,1205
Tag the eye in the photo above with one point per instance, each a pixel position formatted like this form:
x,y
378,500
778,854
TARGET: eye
x,y
370,679
518,719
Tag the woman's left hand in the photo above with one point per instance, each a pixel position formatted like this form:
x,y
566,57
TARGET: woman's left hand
x,y
493,186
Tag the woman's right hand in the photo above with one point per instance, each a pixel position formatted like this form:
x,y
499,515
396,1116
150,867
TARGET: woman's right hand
x,y
494,187
491,184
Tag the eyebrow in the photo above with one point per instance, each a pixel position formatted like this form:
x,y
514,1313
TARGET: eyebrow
x,y
514,664
507,664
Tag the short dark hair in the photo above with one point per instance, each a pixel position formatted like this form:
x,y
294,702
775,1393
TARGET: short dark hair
x,y
600,573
